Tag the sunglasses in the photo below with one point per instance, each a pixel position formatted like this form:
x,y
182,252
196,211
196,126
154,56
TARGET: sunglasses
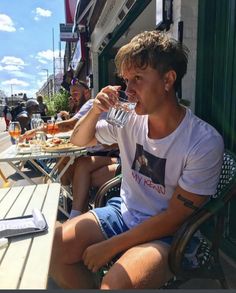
x,y
75,81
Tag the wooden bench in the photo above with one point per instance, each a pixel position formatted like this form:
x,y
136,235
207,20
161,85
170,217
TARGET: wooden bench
x,y
24,262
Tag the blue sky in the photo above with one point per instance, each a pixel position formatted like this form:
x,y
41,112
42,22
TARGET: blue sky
x,y
26,46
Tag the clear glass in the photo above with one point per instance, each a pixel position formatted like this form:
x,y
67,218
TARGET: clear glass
x,y
14,130
52,127
36,121
119,113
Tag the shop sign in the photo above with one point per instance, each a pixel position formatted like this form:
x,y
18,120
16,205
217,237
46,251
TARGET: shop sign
x,y
67,34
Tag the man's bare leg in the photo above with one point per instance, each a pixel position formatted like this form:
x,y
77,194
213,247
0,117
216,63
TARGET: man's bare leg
x,y
70,241
141,267
103,174
66,178
82,178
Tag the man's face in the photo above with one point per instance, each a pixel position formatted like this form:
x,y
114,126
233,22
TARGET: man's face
x,y
147,87
77,92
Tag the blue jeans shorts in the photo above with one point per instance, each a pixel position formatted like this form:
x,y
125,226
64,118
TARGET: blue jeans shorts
x,y
111,222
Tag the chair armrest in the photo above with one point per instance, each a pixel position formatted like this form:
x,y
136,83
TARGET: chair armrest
x,y
191,225
99,200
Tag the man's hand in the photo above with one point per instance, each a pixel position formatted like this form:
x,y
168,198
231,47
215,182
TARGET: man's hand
x,y
31,133
97,255
27,135
106,98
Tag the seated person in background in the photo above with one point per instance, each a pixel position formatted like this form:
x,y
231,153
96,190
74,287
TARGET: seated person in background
x,y
89,171
80,188
74,103
43,109
136,229
81,94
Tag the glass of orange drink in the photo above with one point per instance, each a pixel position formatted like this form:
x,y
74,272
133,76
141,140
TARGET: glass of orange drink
x,y
14,130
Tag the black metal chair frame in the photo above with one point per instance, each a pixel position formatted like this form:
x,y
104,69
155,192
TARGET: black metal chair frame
x,y
214,210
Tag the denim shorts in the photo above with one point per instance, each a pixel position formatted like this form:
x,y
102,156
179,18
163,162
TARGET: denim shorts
x,y
111,222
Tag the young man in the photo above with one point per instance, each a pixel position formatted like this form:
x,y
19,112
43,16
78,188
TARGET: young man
x,y
183,156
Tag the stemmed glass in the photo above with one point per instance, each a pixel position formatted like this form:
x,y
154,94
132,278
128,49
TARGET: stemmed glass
x,y
14,130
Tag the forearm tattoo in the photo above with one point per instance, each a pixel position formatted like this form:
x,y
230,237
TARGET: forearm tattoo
x,y
188,203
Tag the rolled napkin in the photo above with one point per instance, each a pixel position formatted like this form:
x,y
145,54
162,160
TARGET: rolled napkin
x,y
38,219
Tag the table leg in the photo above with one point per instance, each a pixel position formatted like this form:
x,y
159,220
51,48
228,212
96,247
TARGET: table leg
x,y
22,174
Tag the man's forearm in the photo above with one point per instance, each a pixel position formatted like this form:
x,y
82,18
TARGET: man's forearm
x,y
84,130
67,125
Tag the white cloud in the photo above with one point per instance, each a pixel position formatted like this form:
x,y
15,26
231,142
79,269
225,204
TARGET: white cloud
x,y
6,23
12,68
45,56
21,28
11,60
15,81
23,74
42,73
40,12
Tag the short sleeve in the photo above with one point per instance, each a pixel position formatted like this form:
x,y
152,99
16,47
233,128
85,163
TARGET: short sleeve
x,y
203,166
84,109
106,133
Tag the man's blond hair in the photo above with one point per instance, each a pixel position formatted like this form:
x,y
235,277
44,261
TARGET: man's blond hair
x,y
155,49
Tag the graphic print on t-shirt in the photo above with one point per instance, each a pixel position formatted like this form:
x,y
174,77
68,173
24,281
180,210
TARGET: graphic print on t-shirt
x,y
149,165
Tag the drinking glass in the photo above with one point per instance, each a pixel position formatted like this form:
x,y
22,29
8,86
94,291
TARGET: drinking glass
x,y
14,130
118,114
52,127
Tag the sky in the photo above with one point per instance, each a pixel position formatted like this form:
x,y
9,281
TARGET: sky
x,y
26,43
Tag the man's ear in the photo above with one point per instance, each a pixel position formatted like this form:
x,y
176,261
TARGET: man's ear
x,y
169,79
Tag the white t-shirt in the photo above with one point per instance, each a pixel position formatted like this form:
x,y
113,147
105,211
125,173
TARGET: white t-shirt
x,y
191,157
83,110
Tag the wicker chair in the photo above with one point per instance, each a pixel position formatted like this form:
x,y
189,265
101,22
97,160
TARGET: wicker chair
x,y
206,263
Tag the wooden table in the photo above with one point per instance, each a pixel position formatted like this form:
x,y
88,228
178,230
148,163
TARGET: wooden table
x,y
24,262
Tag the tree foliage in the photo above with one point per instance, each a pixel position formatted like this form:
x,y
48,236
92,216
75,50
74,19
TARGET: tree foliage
x,y
59,102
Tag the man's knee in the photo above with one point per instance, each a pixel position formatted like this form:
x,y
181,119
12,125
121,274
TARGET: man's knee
x,y
144,266
116,279
83,163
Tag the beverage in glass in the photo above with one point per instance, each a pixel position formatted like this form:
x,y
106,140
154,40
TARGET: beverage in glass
x,y
14,130
119,113
55,128
52,127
